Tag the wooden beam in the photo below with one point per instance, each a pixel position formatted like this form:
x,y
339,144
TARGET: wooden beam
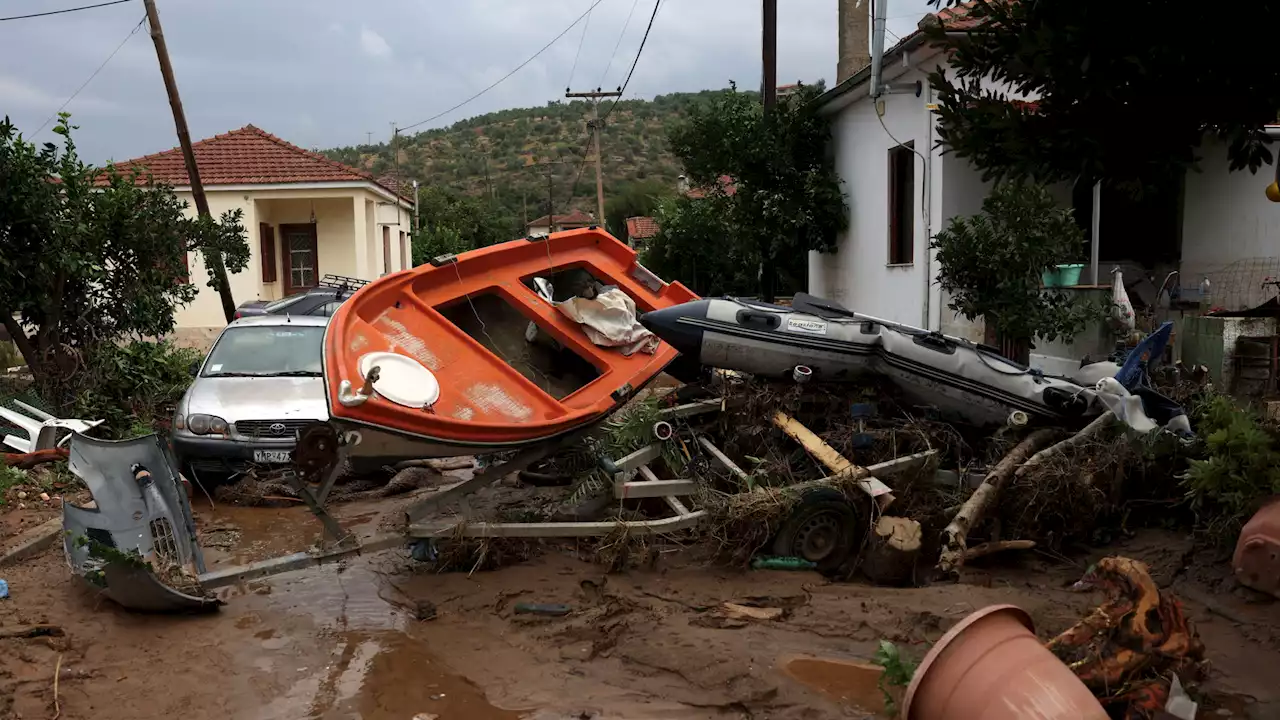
x,y
833,460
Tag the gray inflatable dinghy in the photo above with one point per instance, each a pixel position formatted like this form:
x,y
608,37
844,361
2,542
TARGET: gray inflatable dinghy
x,y
962,379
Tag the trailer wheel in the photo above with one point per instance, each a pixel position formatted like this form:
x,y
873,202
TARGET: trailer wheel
x,y
823,528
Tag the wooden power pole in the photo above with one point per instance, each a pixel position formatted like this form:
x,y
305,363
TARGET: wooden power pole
x,y
212,258
769,54
594,124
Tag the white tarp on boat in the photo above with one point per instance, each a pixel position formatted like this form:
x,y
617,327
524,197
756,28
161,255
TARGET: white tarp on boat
x,y
609,320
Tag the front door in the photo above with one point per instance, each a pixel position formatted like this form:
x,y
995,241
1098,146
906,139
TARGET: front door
x,y
298,245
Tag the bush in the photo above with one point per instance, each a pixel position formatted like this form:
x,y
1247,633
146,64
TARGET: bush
x,y
134,387
1239,469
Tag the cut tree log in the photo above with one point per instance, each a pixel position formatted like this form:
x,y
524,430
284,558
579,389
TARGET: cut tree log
x,y
833,460
893,551
454,463
954,535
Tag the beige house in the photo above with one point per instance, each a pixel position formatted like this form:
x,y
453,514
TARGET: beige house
x,y
306,217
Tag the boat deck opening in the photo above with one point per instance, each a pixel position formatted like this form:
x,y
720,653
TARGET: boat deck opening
x,y
497,325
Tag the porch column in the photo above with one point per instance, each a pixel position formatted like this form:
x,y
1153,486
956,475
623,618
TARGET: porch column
x,y
360,238
1093,234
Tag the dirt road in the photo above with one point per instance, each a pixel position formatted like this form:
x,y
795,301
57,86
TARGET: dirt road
x,y
346,641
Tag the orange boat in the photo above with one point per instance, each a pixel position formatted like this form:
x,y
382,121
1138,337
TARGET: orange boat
x,y
472,354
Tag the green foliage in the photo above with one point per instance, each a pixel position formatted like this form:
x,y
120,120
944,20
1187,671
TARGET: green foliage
x,y
1097,67
640,199
135,386
453,158
991,264
1240,467
455,223
87,265
9,355
10,477
898,671
787,198
694,245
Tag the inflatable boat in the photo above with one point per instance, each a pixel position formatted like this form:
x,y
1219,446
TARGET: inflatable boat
x,y
964,380
494,349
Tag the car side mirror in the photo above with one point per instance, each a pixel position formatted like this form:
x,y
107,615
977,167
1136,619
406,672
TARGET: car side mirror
x,y
195,368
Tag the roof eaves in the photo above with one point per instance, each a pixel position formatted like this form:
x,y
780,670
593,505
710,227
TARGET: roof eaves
x,y
863,76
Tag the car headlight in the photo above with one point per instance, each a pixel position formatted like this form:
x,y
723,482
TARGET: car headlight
x,y
206,424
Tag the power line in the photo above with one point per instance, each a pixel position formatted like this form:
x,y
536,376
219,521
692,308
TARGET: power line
x,y
618,44
59,12
657,4
586,26
85,84
513,72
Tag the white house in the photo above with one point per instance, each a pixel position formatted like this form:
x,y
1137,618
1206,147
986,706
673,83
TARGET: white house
x,y
306,217
901,190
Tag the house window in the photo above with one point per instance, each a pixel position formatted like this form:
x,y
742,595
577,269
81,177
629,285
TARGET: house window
x,y
299,245
902,183
267,251
386,249
404,250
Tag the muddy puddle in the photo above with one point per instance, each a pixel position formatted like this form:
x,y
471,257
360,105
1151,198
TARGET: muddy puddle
x,y
851,683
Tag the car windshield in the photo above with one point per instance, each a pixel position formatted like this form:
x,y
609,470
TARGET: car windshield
x,y
267,351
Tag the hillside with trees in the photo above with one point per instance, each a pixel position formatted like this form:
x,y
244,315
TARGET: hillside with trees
x,y
504,157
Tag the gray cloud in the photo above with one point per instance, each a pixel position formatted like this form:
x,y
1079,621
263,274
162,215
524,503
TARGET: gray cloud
x,y
323,73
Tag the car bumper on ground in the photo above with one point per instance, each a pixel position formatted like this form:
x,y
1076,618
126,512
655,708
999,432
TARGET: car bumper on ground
x,y
203,454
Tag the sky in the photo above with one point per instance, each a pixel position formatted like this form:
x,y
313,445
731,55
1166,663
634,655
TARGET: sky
x,y
326,73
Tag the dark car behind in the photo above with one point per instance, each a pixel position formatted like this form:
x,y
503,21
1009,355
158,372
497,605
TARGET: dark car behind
x,y
321,300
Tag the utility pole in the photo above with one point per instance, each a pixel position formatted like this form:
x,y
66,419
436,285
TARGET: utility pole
x,y
212,258
368,138
769,54
594,124
551,201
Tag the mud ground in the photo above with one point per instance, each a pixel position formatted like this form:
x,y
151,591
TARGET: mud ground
x,y
345,641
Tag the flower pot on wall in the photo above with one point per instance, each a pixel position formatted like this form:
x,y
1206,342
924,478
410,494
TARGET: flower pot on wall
x,y
1069,275
991,666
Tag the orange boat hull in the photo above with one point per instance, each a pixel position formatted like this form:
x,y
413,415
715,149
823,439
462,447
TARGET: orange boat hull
x,y
491,396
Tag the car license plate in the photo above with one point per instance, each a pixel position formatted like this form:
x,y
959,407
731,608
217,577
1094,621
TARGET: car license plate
x,y
272,456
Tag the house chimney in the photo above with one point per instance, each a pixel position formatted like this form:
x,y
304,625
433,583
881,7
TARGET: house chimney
x,y
854,18
682,184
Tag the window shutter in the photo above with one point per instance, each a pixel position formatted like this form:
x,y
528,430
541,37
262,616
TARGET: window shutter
x,y
267,252
404,250
386,249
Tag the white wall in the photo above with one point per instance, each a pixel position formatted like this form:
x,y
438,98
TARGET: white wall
x,y
1230,231
859,275
206,309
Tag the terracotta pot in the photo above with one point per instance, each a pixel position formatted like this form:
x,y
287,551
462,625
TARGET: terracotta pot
x,y
1257,557
991,666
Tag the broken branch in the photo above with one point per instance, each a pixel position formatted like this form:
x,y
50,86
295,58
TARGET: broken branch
x,y
984,549
953,537
835,462
1086,433
26,461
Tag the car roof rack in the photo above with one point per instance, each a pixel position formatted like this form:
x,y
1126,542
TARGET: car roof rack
x,y
342,282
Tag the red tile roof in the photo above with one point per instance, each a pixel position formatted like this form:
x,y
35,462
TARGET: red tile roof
x,y
958,17
575,217
248,156
641,228
726,185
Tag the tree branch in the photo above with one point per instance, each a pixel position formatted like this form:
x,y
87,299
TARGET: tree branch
x,y
19,337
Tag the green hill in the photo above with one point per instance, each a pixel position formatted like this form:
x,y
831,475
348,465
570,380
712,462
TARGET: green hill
x,y
506,155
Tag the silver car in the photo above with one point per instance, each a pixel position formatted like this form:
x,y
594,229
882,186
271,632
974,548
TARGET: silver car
x,y
258,387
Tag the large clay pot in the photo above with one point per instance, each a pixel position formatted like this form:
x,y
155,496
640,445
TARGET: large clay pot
x,y
1257,557
991,666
